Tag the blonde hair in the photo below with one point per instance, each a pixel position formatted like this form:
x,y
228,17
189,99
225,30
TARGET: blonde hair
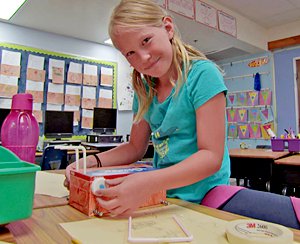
x,y
141,13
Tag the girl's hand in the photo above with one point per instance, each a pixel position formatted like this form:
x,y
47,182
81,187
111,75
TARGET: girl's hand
x,y
125,194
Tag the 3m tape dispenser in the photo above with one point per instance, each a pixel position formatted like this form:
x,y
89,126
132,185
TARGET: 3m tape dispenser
x,y
257,232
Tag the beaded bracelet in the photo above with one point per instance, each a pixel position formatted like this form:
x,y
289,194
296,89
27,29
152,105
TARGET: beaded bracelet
x,y
99,164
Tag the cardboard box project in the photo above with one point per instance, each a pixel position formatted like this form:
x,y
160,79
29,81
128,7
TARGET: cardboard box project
x,y
82,197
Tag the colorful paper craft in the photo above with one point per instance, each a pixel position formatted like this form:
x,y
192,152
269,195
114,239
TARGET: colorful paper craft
x,y
264,128
255,130
231,99
265,97
243,131
242,115
232,130
252,98
231,114
242,98
254,115
266,115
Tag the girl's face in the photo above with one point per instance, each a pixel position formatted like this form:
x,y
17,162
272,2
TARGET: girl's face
x,y
147,49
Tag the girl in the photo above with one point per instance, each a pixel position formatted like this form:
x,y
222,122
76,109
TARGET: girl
x,y
179,100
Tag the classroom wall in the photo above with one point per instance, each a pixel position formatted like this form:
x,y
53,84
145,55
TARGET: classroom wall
x,y
57,43
285,87
240,77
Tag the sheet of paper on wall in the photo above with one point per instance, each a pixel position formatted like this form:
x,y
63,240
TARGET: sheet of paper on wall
x,y
185,8
88,97
90,75
57,64
74,73
5,102
53,107
106,76
76,111
72,96
150,223
206,14
55,94
36,89
87,119
11,58
125,93
10,63
105,98
50,184
8,86
35,68
37,111
58,75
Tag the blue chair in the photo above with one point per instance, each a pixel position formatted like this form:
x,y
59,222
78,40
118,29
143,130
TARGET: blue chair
x,y
54,158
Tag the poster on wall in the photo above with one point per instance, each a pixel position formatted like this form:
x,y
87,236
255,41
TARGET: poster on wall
x,y
125,92
74,73
206,14
182,7
227,23
10,73
56,70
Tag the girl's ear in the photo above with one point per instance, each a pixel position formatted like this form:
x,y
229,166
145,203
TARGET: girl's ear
x,y
169,26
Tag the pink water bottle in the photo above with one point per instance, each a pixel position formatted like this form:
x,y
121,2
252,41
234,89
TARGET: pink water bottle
x,y
20,130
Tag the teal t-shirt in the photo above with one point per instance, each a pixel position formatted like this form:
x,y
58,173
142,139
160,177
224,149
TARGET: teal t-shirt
x,y
173,125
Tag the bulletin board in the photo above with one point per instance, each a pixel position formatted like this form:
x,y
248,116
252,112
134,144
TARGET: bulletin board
x,y
57,81
250,102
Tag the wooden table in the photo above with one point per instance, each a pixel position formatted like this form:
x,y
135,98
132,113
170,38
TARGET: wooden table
x,y
43,226
256,166
72,152
287,174
256,153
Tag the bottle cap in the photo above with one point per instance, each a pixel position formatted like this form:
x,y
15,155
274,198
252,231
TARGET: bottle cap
x,y
22,101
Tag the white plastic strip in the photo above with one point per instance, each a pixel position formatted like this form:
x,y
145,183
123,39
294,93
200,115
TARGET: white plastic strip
x,y
76,148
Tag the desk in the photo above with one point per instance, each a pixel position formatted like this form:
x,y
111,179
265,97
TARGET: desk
x,y
101,145
287,174
106,146
43,226
71,152
255,165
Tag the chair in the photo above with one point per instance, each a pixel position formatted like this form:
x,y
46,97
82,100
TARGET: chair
x,y
54,158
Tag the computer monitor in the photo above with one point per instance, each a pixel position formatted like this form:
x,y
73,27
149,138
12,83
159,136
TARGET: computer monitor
x,y
58,124
3,114
105,120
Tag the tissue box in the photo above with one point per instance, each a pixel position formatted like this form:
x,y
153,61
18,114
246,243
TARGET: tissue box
x,y
82,198
17,187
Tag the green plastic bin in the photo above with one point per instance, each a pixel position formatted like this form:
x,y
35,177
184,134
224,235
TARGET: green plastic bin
x,y
17,183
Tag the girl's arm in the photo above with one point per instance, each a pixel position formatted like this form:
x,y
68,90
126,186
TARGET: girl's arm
x,y
126,194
